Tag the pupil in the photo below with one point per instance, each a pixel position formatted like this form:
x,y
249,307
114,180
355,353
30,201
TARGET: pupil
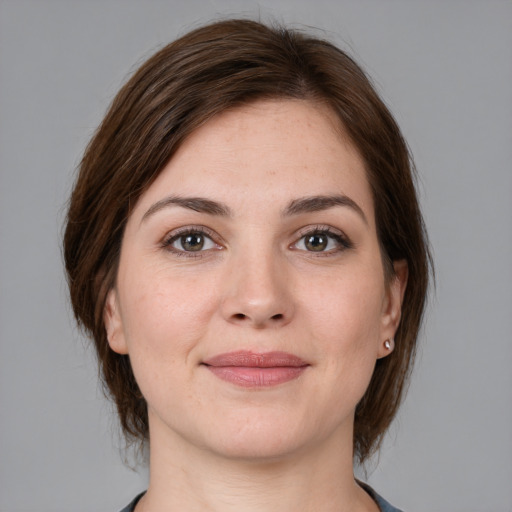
x,y
192,242
316,242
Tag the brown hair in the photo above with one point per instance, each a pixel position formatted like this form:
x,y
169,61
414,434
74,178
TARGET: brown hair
x,y
209,70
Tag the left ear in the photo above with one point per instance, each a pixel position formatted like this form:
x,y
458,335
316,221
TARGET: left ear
x,y
392,306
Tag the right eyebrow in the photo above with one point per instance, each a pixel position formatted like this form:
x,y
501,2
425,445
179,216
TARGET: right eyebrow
x,y
197,204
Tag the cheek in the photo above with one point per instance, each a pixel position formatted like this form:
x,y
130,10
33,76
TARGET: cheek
x,y
163,315
162,323
347,309
345,320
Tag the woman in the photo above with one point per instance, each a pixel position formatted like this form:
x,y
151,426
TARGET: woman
x,y
245,246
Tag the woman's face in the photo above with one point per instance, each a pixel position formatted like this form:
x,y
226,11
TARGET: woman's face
x,y
251,295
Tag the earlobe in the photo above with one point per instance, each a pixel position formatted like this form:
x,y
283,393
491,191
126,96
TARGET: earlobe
x,y
392,310
113,324
386,348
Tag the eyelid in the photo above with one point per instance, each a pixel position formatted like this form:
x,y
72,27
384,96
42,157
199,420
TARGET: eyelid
x,y
320,228
183,230
171,236
335,233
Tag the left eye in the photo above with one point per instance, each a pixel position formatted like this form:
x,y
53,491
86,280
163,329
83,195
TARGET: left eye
x,y
320,241
193,241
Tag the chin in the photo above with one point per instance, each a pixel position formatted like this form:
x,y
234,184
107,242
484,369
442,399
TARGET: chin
x,y
265,439
262,448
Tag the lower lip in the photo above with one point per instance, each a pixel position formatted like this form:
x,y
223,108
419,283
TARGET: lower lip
x,y
255,377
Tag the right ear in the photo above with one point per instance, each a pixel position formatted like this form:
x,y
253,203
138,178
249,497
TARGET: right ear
x,y
114,324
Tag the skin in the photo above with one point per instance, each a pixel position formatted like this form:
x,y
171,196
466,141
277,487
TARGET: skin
x,y
256,285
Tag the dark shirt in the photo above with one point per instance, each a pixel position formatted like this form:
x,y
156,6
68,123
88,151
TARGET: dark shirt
x,y
131,506
381,502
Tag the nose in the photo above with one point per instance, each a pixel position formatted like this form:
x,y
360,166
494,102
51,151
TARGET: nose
x,y
258,292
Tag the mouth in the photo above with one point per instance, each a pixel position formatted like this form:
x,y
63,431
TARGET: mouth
x,y
250,369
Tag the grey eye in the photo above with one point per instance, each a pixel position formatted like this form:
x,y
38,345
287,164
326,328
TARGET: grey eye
x,y
317,242
192,242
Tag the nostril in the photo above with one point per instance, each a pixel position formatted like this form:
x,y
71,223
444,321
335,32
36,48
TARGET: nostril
x,y
279,316
239,316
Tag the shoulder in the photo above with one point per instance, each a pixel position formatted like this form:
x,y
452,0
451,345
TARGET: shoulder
x,y
381,502
131,506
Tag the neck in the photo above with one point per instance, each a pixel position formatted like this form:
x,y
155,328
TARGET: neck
x,y
185,477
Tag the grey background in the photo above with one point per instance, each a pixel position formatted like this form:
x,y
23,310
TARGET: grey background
x,y
445,69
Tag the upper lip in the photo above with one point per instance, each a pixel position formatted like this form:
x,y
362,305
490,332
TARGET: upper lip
x,y
248,359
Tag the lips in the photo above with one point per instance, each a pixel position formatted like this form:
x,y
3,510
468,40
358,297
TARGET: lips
x,y
250,369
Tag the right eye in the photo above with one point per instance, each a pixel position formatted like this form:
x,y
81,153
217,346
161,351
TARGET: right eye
x,y
190,241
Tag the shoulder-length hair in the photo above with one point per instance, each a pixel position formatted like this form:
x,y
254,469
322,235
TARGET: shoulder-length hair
x,y
207,71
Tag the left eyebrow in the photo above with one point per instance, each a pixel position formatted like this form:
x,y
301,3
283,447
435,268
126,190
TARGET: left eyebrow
x,y
319,203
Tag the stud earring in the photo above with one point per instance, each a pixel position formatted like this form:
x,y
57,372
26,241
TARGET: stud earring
x,y
389,343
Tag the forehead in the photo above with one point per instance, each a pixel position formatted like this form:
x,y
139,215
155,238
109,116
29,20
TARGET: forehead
x,y
266,152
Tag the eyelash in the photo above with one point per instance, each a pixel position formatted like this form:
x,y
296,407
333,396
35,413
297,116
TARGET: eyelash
x,y
342,241
174,236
